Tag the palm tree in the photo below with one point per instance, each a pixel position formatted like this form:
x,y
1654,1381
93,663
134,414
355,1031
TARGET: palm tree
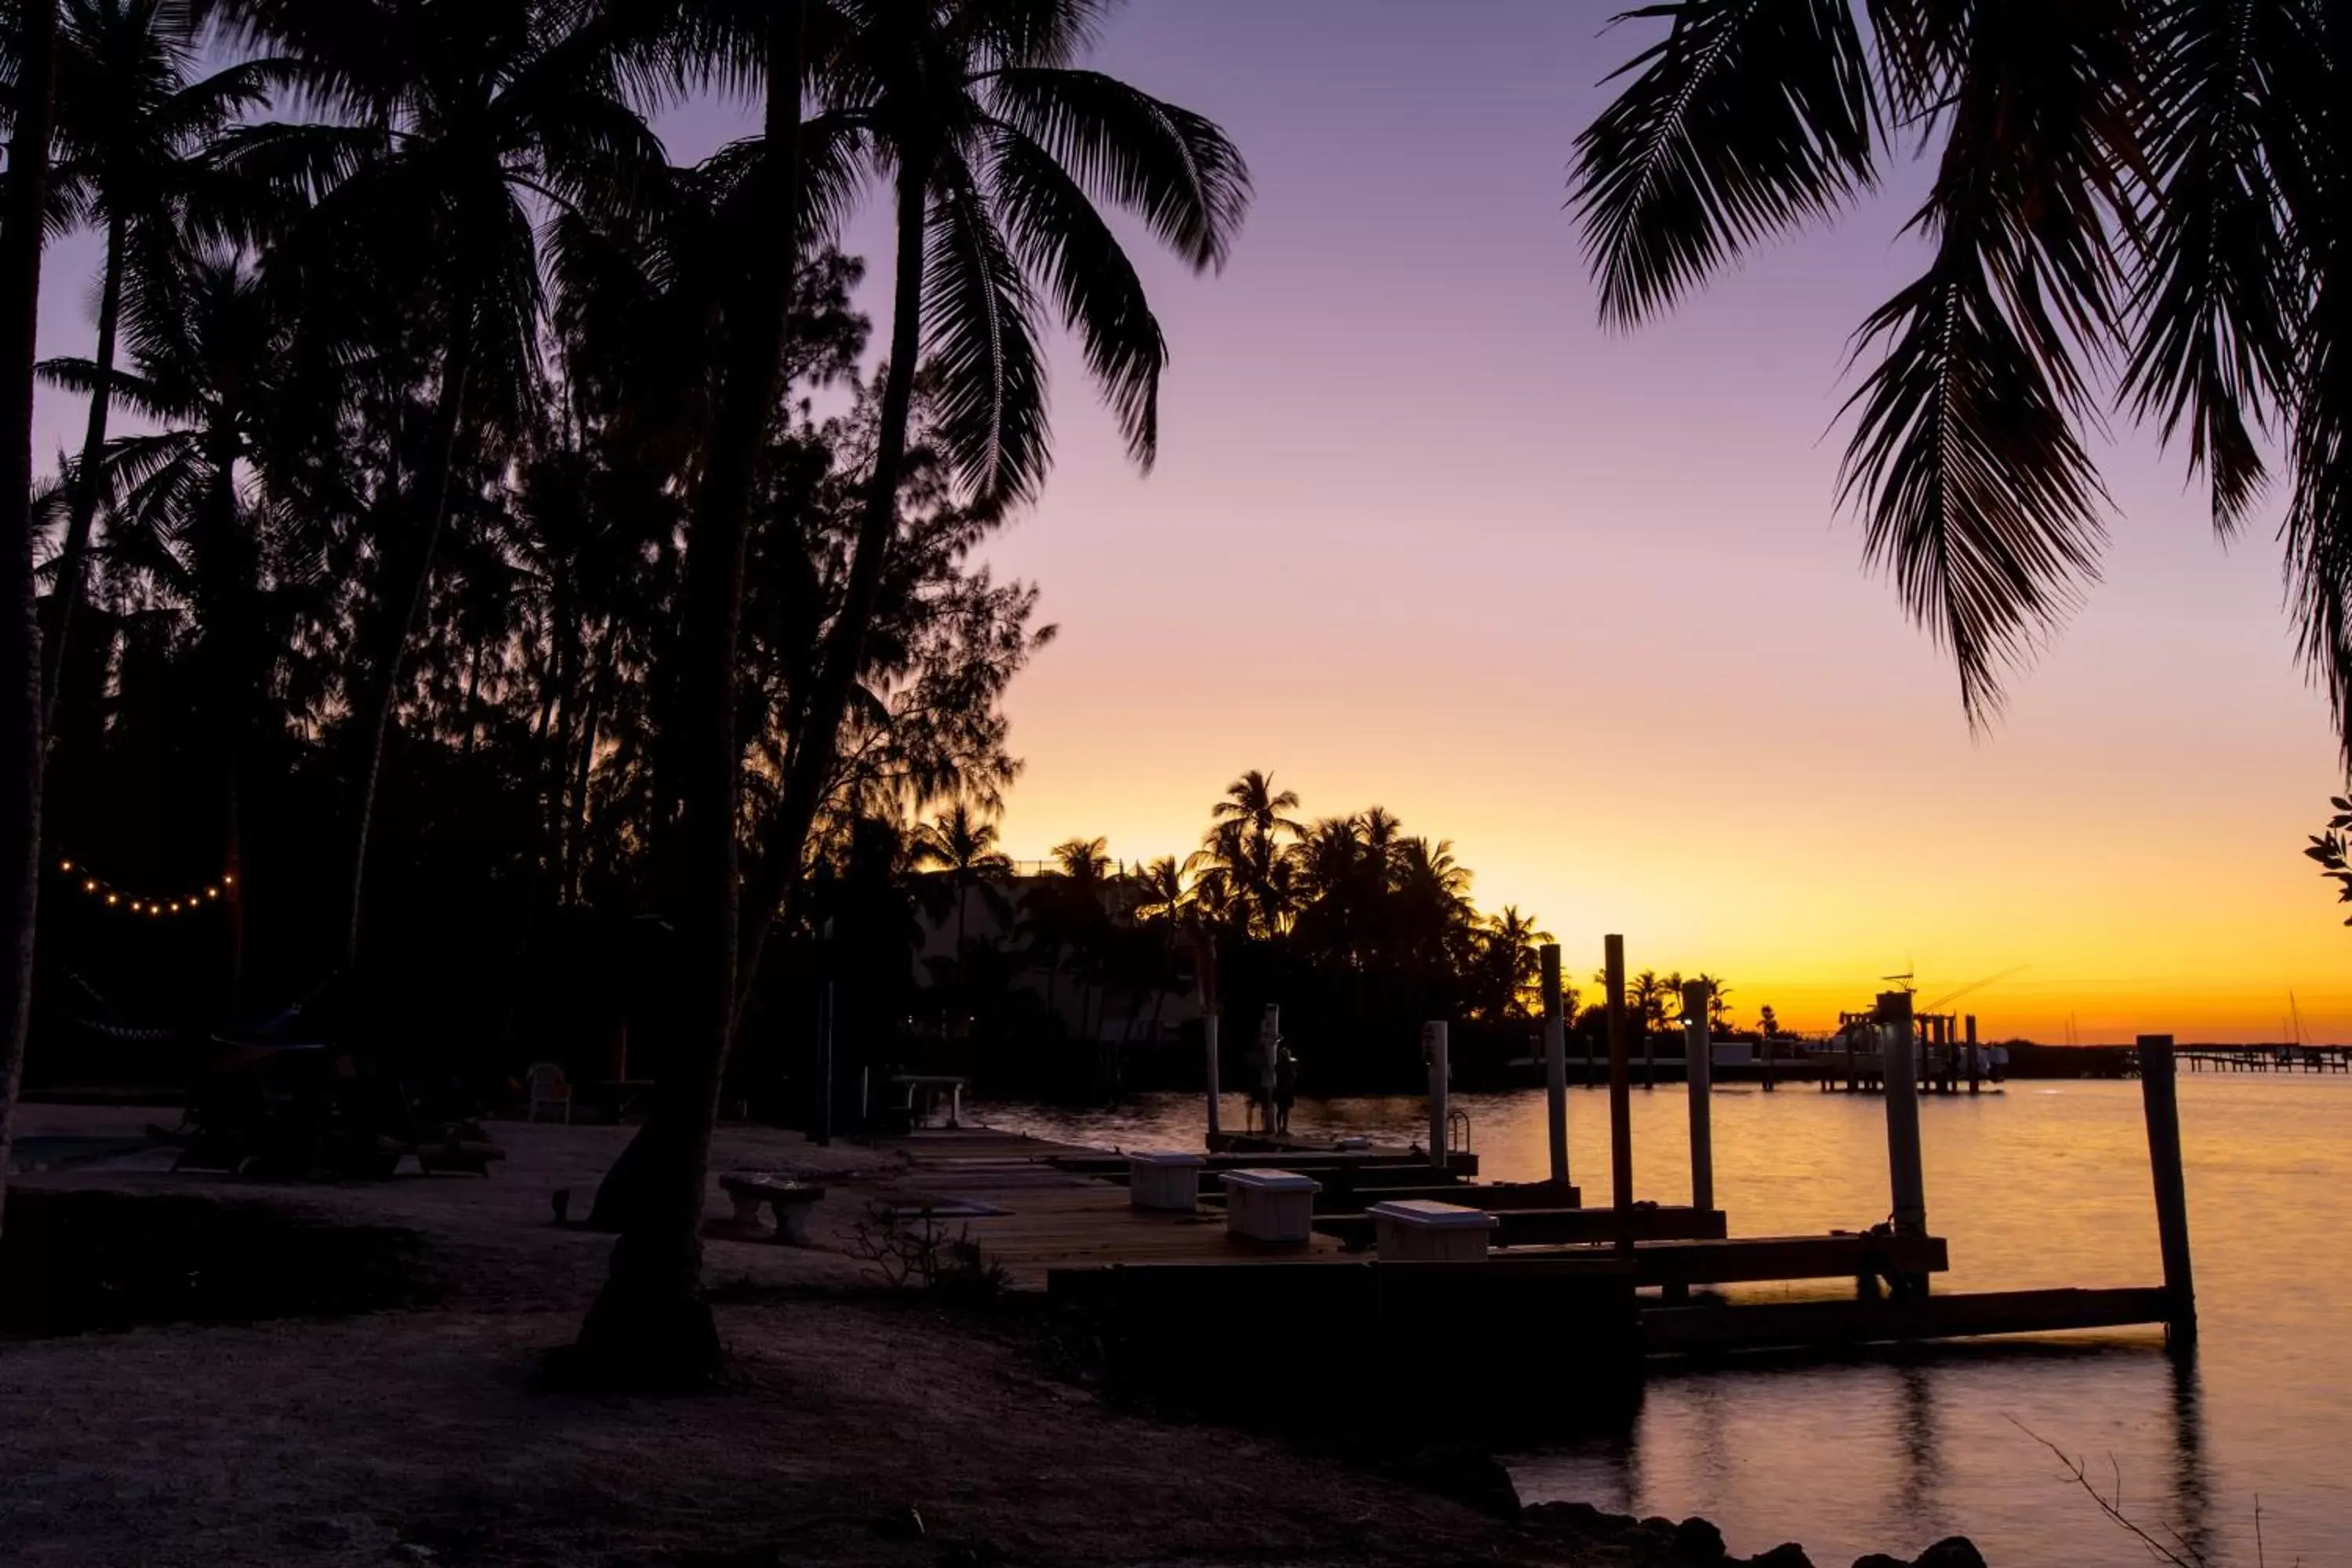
x,y
2158,186
207,352
24,209
999,154
1510,962
651,1316
1165,893
964,847
136,133
460,114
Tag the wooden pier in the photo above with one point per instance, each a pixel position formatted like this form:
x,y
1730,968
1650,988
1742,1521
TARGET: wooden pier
x,y
2268,1058
1599,1289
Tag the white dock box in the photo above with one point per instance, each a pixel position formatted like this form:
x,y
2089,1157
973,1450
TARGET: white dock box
x,y
1417,1230
1270,1206
1164,1179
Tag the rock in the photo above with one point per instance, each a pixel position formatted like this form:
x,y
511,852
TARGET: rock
x,y
1787,1554
1953,1551
1581,1517
1697,1540
1880,1560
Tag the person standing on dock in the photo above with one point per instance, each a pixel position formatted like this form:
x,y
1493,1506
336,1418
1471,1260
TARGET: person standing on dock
x,y
1286,1086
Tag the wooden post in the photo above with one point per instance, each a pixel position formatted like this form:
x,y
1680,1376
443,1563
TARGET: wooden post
x,y
1976,1063
1768,1062
1433,1045
2162,1104
1620,1097
1209,1049
1900,1069
1555,1064
1269,1041
1698,1052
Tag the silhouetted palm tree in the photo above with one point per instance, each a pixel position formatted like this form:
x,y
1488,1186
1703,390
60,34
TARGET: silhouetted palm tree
x,y
207,352
1509,962
29,107
459,114
964,847
999,152
136,134
2159,187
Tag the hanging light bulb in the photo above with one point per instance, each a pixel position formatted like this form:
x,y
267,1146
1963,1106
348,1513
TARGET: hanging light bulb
x,y
114,898
212,892
90,885
65,864
228,877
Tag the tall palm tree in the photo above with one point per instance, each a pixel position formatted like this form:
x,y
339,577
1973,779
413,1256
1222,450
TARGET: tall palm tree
x,y
1510,962
2156,186
999,154
136,126
963,846
24,209
650,1320
207,354
457,116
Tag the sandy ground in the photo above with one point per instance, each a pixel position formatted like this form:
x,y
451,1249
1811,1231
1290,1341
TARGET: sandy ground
x,y
862,1427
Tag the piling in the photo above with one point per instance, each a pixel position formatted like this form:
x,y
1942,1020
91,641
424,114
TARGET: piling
x,y
1976,1062
1433,1045
2162,1104
1900,1072
1555,1064
1698,1051
1208,1047
1620,1097
1269,1043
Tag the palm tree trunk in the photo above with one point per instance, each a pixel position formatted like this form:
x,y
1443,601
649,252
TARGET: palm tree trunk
x,y
401,624
20,641
816,750
71,559
650,1323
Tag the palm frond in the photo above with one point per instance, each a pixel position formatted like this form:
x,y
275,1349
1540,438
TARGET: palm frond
x,y
1749,117
2213,346
1060,239
1173,168
991,398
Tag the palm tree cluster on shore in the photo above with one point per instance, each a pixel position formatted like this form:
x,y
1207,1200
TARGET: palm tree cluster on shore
x,y
478,511
1349,921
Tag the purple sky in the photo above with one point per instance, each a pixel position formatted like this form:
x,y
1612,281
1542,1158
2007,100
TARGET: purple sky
x,y
1423,535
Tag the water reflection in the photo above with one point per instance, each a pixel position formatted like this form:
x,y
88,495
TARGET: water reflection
x,y
2193,1494
2046,1185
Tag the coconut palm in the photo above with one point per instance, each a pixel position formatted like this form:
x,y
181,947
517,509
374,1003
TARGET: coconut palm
x,y
24,207
456,116
207,354
136,125
1509,964
999,154
963,846
2156,186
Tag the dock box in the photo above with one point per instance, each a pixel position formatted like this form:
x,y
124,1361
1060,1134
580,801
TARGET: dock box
x,y
1419,1230
1164,1179
1270,1206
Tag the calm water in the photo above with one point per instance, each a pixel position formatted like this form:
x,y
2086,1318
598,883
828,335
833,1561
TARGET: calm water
x,y
2045,1184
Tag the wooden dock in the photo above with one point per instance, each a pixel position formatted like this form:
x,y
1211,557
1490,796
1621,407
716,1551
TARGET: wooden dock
x,y
1176,1296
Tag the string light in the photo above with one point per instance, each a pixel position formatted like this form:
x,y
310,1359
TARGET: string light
x,y
98,887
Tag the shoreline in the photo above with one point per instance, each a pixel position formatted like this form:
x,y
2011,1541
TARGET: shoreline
x,y
862,1426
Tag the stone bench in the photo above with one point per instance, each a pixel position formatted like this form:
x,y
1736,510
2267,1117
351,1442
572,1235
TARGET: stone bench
x,y
788,1199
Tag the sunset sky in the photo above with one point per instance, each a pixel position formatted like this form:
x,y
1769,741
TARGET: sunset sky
x,y
1422,534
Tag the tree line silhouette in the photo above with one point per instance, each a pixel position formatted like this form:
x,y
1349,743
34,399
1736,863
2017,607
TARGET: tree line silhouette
x,y
480,518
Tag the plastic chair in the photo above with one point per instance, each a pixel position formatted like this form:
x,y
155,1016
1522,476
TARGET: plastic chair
x,y
548,1088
